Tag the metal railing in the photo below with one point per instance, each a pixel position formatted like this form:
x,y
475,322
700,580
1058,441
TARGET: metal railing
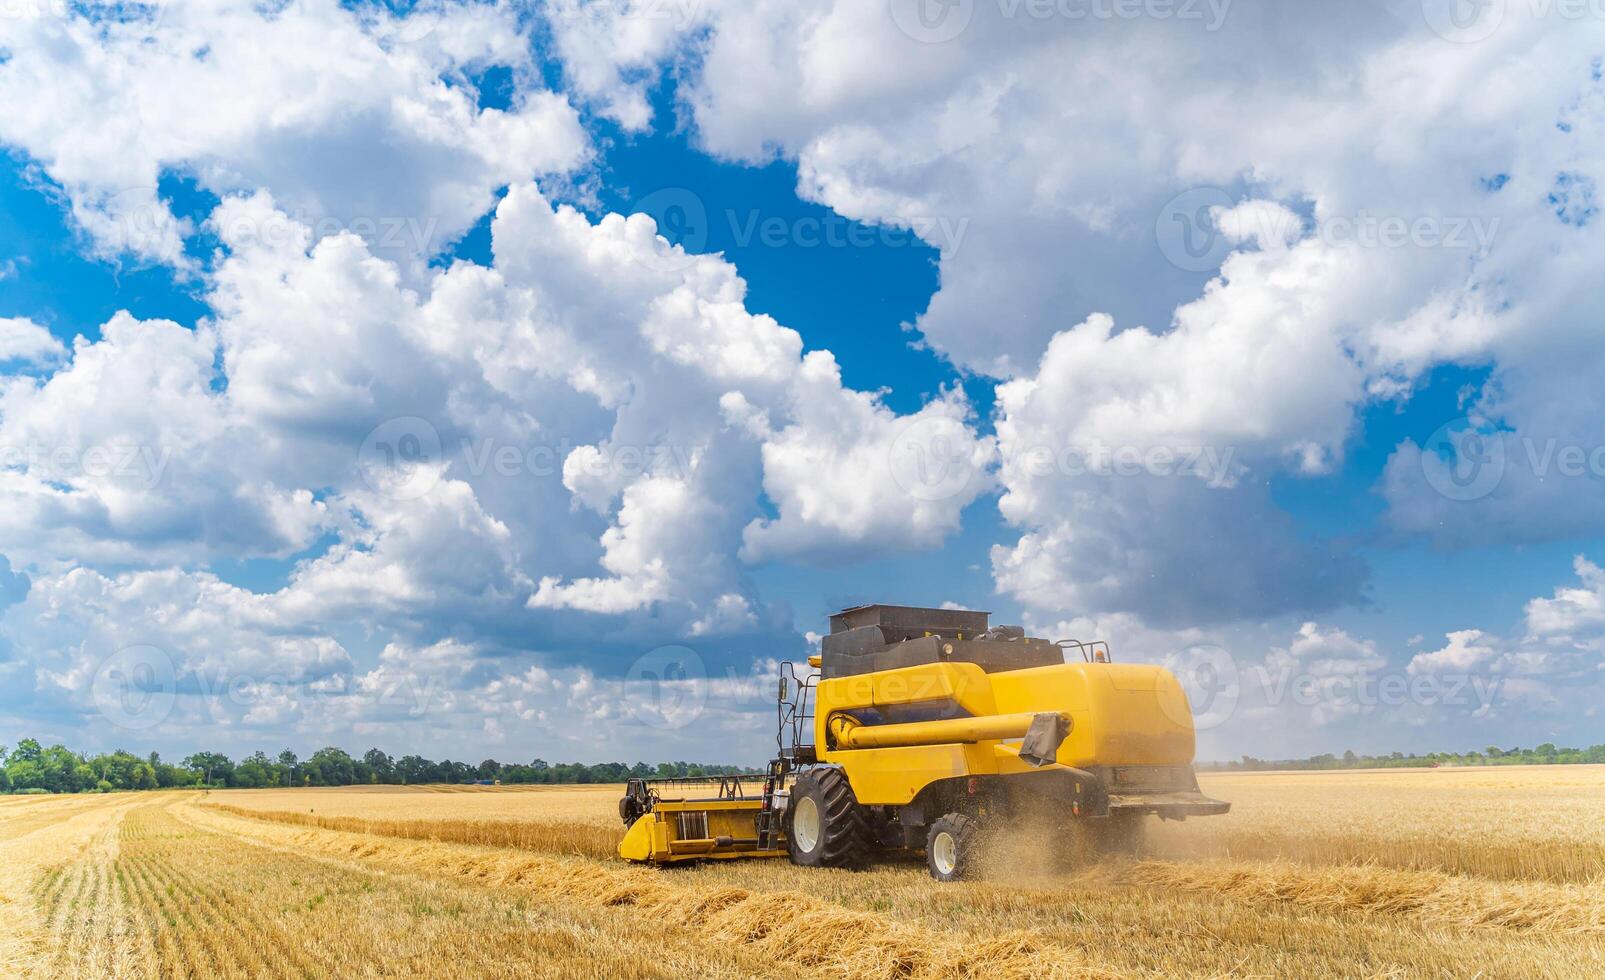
x,y
1094,652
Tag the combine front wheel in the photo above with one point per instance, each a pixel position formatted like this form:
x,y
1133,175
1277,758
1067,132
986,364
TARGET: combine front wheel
x,y
826,828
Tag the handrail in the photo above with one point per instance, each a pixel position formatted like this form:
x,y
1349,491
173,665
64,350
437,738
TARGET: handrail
x,y
1092,652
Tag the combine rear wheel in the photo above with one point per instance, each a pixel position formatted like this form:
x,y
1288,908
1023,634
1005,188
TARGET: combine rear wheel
x,y
951,846
825,826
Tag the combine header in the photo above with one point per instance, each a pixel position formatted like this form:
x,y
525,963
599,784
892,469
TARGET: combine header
x,y
929,730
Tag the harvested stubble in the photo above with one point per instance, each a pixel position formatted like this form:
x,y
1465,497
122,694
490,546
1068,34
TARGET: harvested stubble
x,y
1537,906
506,883
784,929
159,895
1346,888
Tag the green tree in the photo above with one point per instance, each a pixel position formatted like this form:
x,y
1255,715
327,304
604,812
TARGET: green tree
x,y
63,771
213,768
413,769
27,750
289,769
256,770
26,775
381,766
334,767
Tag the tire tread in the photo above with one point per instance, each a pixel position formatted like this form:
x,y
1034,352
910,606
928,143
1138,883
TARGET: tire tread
x,y
844,826
966,831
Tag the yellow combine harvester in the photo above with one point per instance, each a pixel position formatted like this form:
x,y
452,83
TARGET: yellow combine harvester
x,y
924,729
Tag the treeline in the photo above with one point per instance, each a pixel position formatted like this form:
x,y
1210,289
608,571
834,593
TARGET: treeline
x,y
1547,754
32,768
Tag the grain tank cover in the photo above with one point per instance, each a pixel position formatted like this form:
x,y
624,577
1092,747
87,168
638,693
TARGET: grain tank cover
x,y
898,623
869,639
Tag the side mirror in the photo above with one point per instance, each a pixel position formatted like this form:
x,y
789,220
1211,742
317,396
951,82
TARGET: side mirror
x,y
784,688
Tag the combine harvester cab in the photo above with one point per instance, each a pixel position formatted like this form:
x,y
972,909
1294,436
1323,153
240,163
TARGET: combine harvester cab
x,y
927,729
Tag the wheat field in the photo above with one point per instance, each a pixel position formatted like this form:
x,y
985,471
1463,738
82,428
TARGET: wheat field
x,y
1440,873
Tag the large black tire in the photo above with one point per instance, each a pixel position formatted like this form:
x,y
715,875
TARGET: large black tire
x,y
951,848
825,826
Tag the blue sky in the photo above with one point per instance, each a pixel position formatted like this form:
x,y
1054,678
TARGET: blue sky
x,y
961,246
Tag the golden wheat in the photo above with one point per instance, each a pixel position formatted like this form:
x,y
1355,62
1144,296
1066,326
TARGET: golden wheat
x,y
1494,873
528,804
557,837
1543,823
